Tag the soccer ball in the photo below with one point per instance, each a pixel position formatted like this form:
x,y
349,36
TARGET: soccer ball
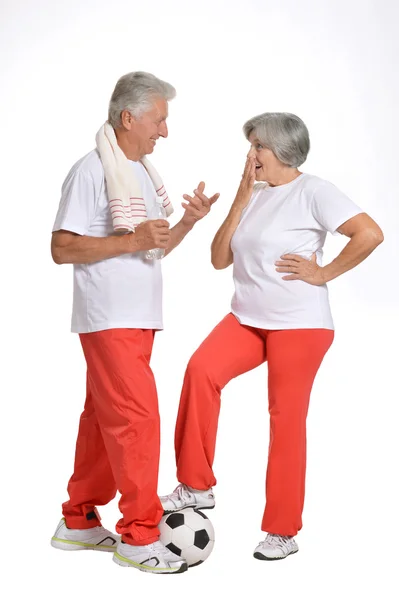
x,y
189,534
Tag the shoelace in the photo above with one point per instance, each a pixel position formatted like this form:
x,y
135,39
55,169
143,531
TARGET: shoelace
x,y
180,493
275,541
161,549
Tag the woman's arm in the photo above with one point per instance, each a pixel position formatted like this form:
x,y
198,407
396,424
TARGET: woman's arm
x,y
365,235
221,253
68,247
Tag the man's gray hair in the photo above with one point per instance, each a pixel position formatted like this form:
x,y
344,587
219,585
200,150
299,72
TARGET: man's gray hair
x,y
136,93
285,134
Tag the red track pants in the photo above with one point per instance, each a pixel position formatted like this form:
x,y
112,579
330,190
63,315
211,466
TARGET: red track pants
x,y
293,357
118,440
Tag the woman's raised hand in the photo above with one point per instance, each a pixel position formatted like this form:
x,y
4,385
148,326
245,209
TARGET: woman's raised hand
x,y
246,187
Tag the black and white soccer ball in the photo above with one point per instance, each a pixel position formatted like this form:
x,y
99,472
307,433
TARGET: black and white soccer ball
x,y
189,534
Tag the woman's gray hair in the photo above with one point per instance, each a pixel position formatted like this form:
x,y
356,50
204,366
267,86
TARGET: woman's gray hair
x,y
136,93
286,135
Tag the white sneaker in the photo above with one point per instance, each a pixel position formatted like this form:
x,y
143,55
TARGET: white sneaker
x,y
186,497
153,558
95,538
275,547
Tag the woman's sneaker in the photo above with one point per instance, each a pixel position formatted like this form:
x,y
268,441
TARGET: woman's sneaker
x,y
153,558
95,538
276,547
187,497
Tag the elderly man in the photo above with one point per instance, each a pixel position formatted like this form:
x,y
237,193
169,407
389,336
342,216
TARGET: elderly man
x,y
102,228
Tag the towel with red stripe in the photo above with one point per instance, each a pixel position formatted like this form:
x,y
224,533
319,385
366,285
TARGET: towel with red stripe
x,y
124,191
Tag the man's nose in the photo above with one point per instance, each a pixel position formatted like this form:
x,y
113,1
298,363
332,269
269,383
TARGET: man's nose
x,y
163,130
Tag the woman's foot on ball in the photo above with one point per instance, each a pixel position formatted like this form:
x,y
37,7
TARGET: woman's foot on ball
x,y
185,496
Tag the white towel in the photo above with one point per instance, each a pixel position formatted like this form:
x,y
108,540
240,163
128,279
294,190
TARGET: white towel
x,y
124,191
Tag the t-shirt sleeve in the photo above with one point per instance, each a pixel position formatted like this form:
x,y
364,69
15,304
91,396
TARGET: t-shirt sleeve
x,y
77,205
331,207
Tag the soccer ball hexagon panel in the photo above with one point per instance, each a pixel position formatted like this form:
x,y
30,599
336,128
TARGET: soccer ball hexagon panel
x,y
189,534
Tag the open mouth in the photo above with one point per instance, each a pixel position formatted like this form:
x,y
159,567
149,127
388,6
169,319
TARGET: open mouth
x,y
258,166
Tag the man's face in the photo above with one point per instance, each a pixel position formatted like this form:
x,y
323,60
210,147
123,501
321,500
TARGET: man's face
x,y
150,126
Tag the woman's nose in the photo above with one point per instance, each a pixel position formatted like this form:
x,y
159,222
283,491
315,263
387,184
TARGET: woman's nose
x,y
251,153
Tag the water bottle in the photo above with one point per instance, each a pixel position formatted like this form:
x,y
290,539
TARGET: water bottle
x,y
158,212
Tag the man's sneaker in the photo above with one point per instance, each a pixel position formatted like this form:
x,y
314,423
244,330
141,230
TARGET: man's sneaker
x,y
187,497
276,547
95,538
153,558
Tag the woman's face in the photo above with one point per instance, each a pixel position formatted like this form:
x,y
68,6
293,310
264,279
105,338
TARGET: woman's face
x,y
267,163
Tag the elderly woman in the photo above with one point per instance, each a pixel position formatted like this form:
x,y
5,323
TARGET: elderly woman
x,y
274,236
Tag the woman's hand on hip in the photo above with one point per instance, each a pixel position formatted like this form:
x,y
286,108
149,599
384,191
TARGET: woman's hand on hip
x,y
301,268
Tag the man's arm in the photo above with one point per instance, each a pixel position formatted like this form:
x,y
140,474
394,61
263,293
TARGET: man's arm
x,y
68,247
197,208
177,235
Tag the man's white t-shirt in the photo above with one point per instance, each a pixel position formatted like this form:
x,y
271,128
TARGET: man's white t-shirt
x,y
125,291
287,219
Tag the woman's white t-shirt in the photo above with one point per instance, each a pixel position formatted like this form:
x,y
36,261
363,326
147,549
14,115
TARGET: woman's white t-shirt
x,y
125,291
287,219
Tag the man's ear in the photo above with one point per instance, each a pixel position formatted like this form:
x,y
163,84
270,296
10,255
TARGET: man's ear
x,y
127,120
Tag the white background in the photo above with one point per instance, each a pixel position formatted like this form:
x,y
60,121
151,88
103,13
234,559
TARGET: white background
x,y
335,64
